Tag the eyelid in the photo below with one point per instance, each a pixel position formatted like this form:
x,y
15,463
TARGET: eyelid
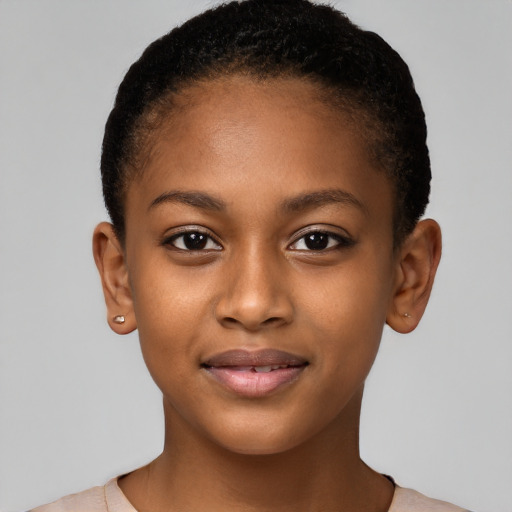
x,y
343,238
178,232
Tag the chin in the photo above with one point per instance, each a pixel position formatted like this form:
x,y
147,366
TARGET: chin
x,y
259,442
259,449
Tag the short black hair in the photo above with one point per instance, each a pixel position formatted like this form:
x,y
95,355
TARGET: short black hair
x,y
270,39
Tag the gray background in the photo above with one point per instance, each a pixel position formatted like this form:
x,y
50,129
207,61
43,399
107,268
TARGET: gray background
x,y
77,405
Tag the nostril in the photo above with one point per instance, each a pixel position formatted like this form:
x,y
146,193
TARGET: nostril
x,y
272,320
232,322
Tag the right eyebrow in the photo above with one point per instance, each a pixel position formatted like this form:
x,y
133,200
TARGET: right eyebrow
x,y
190,198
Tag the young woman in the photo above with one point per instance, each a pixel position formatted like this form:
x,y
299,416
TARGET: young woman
x,y
265,170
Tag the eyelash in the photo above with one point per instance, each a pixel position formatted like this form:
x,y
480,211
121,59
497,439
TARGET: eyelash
x,y
208,239
334,241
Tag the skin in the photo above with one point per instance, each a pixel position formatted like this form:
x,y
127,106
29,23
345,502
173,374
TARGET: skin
x,y
265,154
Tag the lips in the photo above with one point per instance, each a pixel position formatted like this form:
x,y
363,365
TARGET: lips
x,y
254,374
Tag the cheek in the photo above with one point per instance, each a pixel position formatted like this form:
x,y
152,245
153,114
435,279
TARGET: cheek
x,y
347,310
171,309
164,292
355,296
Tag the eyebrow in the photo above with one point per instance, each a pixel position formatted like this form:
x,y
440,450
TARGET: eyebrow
x,y
292,205
196,199
323,198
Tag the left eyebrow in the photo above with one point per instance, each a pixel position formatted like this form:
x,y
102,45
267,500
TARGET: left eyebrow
x,y
190,198
322,198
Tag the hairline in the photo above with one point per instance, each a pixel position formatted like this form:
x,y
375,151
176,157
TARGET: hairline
x,y
347,102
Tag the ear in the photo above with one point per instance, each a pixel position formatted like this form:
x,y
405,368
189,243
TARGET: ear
x,y
417,263
110,260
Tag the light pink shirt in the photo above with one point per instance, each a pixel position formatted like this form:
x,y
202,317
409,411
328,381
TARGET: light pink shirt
x,y
110,498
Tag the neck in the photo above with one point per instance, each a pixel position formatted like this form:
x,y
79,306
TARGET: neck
x,y
325,473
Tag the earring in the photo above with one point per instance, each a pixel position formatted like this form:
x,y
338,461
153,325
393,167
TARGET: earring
x,y
119,319
407,315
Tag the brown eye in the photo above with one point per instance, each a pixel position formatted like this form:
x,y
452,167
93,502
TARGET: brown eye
x,y
320,241
193,241
316,241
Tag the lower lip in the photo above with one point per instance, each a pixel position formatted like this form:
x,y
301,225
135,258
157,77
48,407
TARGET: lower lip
x,y
254,384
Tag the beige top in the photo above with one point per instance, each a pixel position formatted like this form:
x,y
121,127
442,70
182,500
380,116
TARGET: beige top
x,y
110,498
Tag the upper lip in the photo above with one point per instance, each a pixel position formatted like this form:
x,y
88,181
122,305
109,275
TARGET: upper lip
x,y
262,357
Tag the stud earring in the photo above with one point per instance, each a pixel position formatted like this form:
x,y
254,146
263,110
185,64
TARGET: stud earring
x,y
119,319
407,315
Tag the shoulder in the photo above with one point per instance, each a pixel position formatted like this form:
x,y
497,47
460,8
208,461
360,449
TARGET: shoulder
x,y
407,500
92,500
107,498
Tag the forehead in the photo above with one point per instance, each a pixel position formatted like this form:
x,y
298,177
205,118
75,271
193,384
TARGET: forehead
x,y
275,136
215,110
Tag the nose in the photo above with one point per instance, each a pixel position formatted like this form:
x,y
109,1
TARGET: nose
x,y
256,294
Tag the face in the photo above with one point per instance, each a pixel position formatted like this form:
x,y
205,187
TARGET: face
x,y
260,261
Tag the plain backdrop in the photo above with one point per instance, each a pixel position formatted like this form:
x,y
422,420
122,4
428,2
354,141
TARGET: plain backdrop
x,y
77,404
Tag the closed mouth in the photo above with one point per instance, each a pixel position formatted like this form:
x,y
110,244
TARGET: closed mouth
x,y
256,369
254,374
265,359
